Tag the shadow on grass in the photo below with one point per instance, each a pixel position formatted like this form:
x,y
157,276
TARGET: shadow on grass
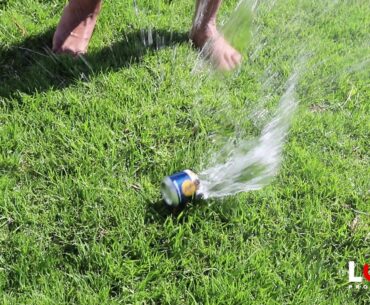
x,y
3,3
158,212
30,66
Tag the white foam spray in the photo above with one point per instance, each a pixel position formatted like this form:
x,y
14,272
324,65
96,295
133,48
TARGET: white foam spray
x,y
252,164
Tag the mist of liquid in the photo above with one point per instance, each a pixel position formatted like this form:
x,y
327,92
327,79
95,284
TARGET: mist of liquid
x,y
252,164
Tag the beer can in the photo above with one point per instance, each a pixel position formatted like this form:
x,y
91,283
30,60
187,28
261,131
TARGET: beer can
x,y
180,188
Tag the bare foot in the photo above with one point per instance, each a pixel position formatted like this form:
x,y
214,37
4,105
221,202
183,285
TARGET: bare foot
x,y
214,46
76,26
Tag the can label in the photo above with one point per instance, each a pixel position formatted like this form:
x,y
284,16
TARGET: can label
x,y
185,186
180,188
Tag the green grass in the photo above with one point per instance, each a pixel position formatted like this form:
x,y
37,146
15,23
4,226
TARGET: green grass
x,y
83,149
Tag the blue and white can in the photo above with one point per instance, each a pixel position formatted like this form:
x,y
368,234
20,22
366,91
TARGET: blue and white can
x,y
180,188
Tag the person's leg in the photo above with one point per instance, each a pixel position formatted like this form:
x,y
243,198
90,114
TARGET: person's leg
x,y
76,26
204,34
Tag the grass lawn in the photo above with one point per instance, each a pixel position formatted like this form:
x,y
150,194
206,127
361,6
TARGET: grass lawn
x,y
84,144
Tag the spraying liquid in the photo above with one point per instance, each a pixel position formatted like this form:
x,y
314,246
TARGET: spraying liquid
x,y
252,164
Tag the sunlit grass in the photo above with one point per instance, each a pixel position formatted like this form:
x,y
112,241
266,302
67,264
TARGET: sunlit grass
x,y
84,145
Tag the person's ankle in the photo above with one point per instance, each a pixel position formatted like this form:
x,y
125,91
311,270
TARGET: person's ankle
x,y
199,34
93,7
